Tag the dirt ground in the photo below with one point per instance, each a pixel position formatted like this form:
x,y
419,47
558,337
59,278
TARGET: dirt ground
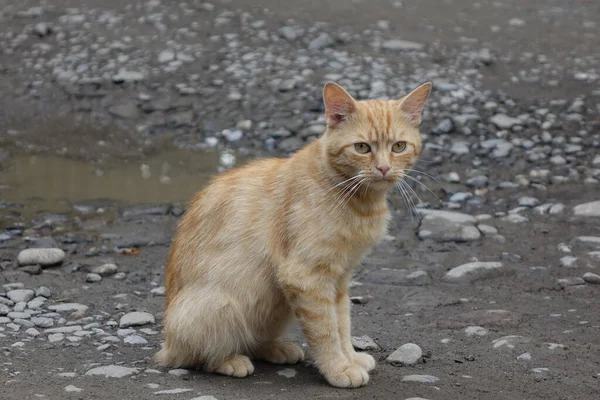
x,y
98,164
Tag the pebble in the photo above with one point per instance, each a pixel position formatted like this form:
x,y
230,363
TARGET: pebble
x,y
407,354
93,278
503,121
475,331
592,278
64,329
136,318
135,340
364,343
173,391
320,42
42,322
420,378
568,261
526,201
525,357
43,257
71,388
572,281
113,371
159,291
510,342
33,332
179,372
56,337
288,372
43,291
64,307
474,271
20,295
105,270
401,45
591,209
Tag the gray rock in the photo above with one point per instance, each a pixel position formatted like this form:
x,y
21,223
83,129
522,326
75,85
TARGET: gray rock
x,y
33,332
515,219
589,277
43,291
487,230
449,216
407,354
20,295
320,42
364,343
64,307
43,257
105,269
524,357
596,161
568,261
591,209
557,208
401,45
91,278
588,242
127,76
479,181
56,337
136,318
113,371
503,121
475,331
288,372
166,56
446,125
526,201
510,342
572,281
442,231
179,372
135,340
4,309
474,271
127,110
420,378
64,329
42,322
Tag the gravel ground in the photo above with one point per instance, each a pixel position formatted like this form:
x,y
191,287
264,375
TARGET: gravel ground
x,y
113,114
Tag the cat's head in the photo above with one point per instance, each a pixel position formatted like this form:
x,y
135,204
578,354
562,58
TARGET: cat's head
x,y
374,139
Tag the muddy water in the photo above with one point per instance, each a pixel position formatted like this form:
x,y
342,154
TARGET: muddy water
x,y
53,183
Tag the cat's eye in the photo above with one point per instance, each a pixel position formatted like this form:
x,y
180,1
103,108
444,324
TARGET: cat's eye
x,y
399,147
362,148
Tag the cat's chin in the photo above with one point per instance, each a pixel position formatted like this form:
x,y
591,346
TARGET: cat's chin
x,y
381,184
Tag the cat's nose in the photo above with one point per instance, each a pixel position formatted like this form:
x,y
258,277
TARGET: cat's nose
x,y
383,169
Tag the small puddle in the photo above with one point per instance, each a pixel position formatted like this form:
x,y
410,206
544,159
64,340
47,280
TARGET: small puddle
x,y
52,183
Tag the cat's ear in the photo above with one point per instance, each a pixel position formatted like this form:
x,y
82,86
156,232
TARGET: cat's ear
x,y
412,104
339,105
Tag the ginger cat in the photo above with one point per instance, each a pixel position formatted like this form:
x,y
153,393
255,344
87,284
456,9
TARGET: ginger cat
x,y
279,238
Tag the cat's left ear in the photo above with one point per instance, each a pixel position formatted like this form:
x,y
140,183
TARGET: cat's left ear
x,y
412,104
339,105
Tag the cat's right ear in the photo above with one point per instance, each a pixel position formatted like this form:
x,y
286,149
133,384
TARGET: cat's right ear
x,y
339,105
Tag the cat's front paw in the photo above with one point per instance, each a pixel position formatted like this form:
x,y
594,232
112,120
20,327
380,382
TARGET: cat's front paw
x,y
364,360
352,376
238,366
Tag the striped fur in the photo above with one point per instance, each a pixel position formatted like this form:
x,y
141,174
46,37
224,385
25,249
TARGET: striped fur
x,y
278,239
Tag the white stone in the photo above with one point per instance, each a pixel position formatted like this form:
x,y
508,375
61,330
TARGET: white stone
x,y
591,209
589,277
568,261
475,331
179,372
450,216
63,307
420,378
42,322
136,318
105,269
43,257
56,337
510,341
135,340
524,357
113,371
32,332
473,270
72,388
407,354
364,343
503,121
399,44
166,56
288,372
173,391
64,329
20,295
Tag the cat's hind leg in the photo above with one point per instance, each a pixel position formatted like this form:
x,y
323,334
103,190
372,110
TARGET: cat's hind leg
x,y
277,352
205,328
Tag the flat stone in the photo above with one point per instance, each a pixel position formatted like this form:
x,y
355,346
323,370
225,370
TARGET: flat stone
x,y
136,318
33,332
127,76
65,307
568,261
56,337
113,371
503,121
105,270
173,391
364,343
475,331
179,372
135,340
125,110
42,322
572,281
589,242
64,329
473,271
450,216
400,45
524,357
43,291
420,378
442,231
72,389
407,354
591,209
20,295
288,372
589,277
159,291
510,342
43,257
92,278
